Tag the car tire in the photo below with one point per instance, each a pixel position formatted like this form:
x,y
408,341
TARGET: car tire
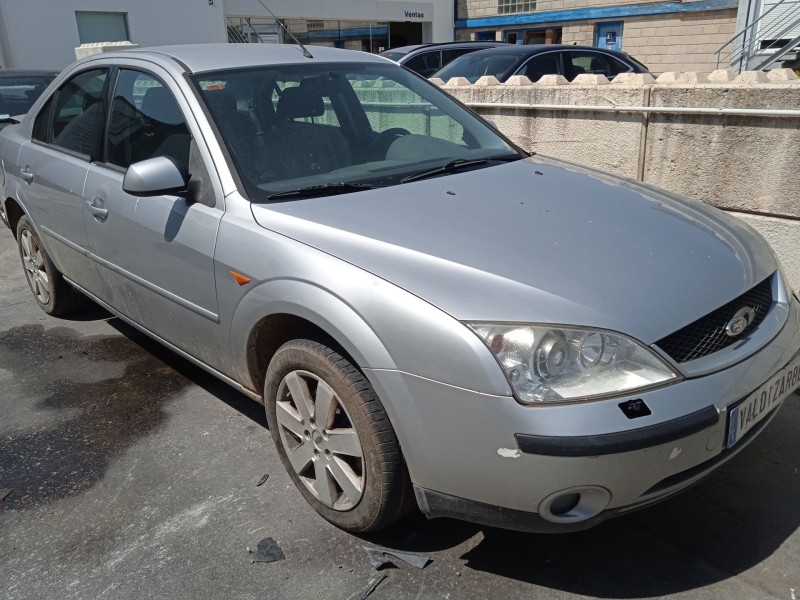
x,y
53,294
348,466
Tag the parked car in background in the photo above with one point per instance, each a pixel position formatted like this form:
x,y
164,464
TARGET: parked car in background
x,y
19,89
426,59
540,59
426,311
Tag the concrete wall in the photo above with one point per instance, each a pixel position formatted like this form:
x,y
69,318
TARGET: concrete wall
x,y
749,165
44,33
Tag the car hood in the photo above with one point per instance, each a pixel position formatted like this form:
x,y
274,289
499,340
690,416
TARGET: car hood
x,y
539,241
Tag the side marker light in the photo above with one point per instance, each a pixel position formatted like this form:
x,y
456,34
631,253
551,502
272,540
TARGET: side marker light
x,y
239,278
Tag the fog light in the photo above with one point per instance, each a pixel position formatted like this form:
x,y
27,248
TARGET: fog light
x,y
574,505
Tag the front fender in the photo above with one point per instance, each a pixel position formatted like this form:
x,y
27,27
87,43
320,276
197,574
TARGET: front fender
x,y
314,304
380,325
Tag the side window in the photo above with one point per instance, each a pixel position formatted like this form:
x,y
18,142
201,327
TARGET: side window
x,y
146,122
594,63
78,110
426,64
41,125
543,64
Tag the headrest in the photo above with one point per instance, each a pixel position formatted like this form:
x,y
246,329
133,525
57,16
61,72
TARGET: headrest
x,y
301,101
159,105
223,102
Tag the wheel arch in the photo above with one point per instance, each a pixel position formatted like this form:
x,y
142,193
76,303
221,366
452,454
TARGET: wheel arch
x,y
281,310
14,212
273,331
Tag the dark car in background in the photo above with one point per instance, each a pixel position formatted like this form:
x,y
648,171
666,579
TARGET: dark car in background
x,y
537,60
426,59
19,89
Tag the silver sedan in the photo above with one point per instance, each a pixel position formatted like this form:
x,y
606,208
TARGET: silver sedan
x,y
430,315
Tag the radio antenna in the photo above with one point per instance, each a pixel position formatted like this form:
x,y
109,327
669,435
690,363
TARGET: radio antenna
x,y
306,53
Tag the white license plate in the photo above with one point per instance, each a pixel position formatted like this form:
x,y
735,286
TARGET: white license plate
x,y
753,409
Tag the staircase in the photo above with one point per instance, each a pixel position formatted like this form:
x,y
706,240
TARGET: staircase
x,y
774,36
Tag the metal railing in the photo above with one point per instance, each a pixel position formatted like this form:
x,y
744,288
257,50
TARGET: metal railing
x,y
241,30
746,52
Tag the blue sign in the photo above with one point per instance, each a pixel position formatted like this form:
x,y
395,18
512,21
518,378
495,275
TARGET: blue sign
x,y
611,38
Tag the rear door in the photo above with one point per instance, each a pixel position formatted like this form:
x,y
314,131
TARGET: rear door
x,y
155,256
54,165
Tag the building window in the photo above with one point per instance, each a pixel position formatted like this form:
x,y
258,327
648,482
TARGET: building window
x,y
315,25
507,7
102,27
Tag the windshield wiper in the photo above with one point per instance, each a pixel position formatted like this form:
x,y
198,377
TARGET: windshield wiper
x,y
328,189
459,163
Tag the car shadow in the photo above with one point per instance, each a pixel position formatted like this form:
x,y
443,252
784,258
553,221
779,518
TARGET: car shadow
x,y
210,384
77,402
722,527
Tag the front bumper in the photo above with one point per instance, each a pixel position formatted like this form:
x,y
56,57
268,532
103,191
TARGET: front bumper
x,y
490,460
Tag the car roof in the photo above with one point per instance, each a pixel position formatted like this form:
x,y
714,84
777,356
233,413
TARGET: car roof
x,y
462,44
197,58
530,49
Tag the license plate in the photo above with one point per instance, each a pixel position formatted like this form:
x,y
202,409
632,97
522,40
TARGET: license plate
x,y
753,409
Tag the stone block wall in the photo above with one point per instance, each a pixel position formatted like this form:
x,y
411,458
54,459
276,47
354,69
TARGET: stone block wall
x,y
679,42
476,9
746,164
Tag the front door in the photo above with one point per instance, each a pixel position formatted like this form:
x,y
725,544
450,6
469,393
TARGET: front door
x,y
154,256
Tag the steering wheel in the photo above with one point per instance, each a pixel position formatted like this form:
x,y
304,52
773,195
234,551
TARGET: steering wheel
x,y
379,146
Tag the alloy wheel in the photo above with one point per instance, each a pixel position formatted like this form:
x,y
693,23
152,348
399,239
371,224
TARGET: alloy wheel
x,y
321,443
35,268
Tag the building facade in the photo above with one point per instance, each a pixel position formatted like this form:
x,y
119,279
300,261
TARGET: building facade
x,y
368,25
45,33
666,36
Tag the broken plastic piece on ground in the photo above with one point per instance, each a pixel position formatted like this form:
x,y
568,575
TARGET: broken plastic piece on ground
x,y
4,493
373,583
268,551
263,480
380,558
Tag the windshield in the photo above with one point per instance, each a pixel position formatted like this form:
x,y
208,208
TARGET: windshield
x,y
475,65
338,128
18,93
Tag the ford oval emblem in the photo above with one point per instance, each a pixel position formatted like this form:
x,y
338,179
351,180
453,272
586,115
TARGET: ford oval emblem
x,y
743,317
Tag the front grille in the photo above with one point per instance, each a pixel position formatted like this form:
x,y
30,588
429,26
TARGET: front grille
x,y
707,335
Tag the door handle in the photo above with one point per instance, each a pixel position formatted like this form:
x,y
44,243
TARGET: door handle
x,y
26,174
99,213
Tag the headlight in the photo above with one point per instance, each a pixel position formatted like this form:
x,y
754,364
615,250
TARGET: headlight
x,y
556,364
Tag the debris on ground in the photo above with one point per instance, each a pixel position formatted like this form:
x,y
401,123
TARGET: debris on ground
x,y
263,480
373,583
380,558
268,551
4,493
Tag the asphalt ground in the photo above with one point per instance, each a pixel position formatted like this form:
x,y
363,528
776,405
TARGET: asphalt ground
x,y
133,474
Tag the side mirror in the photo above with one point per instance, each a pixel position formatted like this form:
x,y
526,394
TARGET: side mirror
x,y
158,176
